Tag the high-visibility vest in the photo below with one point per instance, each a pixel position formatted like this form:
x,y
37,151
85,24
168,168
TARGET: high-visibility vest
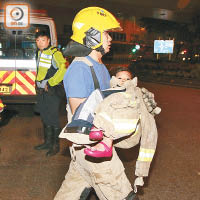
x,y
48,63
44,63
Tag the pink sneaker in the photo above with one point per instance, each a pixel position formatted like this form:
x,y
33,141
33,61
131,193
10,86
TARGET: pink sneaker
x,y
96,134
98,154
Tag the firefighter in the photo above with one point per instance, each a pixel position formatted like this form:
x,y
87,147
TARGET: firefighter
x,y
91,40
50,72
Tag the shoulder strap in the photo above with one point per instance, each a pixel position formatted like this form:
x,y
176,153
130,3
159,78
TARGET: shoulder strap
x,y
53,51
83,59
89,63
96,82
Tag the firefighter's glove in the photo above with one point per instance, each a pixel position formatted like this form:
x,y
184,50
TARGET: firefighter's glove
x,y
150,103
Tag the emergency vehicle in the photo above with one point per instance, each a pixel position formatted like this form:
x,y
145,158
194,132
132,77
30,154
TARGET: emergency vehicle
x,y
17,57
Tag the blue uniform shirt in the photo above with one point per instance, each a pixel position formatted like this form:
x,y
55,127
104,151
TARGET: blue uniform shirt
x,y
78,81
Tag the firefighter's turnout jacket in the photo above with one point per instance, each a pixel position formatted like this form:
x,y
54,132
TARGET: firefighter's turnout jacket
x,y
124,117
117,115
50,67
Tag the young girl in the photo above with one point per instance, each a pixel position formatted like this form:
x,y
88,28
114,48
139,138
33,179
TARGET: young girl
x,y
123,74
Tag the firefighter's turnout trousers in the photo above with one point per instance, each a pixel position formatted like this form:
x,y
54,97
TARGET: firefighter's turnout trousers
x,y
107,177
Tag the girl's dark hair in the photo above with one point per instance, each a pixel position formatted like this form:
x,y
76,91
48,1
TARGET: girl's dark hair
x,y
41,34
120,69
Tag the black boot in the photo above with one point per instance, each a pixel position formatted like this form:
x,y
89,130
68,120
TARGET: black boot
x,y
55,147
85,193
48,134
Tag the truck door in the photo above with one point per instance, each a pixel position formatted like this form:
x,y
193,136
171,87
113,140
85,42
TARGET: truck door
x,y
17,63
17,60
25,64
7,61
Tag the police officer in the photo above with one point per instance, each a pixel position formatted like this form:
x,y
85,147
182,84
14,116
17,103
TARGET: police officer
x,y
50,72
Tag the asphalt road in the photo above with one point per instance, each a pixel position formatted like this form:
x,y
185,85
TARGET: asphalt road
x,y
26,174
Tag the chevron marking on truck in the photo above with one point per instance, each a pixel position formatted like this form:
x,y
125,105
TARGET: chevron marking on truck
x,y
23,83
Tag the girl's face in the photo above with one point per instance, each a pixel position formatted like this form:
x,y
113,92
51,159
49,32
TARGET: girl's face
x,y
123,76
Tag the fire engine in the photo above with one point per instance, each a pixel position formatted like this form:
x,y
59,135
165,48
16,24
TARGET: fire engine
x,y
17,57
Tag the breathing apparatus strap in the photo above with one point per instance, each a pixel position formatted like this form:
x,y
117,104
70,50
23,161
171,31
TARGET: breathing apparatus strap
x,y
89,63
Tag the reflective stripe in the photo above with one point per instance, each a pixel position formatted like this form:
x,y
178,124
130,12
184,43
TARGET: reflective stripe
x,y
146,154
121,125
45,60
46,65
46,56
125,125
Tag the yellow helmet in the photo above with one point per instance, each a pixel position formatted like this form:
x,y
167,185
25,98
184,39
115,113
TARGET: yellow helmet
x,y
90,23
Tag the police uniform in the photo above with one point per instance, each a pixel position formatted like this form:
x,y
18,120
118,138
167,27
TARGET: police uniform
x,y
50,72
